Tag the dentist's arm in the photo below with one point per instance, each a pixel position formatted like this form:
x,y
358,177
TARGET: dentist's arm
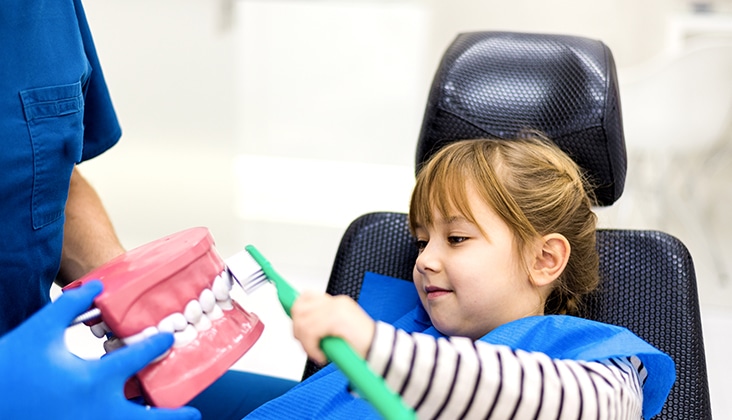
x,y
89,237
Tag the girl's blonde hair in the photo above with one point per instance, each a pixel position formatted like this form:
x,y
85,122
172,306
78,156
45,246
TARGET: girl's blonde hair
x,y
533,186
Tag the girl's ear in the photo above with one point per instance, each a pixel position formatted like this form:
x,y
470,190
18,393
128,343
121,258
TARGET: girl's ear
x,y
550,259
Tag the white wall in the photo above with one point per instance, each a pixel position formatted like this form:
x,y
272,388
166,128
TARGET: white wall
x,y
340,82
634,30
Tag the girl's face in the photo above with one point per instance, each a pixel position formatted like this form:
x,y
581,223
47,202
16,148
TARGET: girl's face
x,y
470,283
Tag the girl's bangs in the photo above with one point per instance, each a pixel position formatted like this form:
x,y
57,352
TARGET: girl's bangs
x,y
442,192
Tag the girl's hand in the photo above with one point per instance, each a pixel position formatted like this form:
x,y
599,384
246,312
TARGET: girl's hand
x,y
319,315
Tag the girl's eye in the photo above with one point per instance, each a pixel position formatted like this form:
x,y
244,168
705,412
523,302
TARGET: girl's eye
x,y
456,239
421,244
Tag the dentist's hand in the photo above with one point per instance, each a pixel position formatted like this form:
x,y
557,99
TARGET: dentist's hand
x,y
40,378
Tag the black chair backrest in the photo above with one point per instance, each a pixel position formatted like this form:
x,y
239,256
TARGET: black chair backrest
x,y
496,84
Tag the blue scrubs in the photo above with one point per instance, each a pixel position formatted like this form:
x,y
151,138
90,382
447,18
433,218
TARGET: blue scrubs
x,y
55,111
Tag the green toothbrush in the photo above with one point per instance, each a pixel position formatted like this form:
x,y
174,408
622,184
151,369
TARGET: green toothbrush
x,y
364,381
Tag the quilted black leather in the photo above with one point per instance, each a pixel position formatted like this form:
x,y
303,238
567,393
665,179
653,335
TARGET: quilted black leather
x,y
649,286
497,84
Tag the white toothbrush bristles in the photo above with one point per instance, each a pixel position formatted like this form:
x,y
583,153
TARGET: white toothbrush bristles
x,y
246,272
255,280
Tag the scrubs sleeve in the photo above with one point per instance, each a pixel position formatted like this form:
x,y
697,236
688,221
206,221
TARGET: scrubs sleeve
x,y
101,127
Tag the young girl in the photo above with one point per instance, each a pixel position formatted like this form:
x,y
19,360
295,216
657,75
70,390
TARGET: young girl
x,y
506,234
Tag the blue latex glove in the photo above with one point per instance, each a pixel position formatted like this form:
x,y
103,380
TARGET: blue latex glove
x,y
41,378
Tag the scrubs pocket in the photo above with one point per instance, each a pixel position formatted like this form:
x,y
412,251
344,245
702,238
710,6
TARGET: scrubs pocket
x,y
55,123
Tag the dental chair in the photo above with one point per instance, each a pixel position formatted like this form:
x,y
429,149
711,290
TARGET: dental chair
x,y
496,84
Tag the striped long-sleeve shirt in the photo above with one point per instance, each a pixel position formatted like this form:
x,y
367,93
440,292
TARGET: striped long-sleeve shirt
x,y
457,378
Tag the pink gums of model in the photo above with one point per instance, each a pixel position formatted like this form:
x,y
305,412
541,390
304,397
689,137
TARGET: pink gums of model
x,y
177,284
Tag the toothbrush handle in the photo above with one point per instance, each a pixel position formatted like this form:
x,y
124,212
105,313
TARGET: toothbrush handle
x,y
362,378
369,385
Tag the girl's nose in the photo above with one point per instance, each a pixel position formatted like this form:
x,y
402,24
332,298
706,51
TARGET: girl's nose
x,y
428,260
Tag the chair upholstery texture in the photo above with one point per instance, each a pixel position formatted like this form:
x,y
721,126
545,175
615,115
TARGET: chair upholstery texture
x,y
648,285
498,84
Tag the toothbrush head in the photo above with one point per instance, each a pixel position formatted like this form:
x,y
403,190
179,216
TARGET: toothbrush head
x,y
251,266
246,272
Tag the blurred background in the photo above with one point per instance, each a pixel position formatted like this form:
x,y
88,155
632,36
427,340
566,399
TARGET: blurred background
x,y
278,122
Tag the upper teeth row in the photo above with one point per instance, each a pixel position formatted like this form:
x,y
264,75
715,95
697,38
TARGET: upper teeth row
x,y
196,316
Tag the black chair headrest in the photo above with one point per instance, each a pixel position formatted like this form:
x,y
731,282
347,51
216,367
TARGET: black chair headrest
x,y
500,84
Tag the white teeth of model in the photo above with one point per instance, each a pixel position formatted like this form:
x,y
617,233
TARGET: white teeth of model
x,y
172,323
221,288
166,325
185,337
216,313
208,300
100,330
203,324
146,333
225,304
179,321
226,275
197,316
193,312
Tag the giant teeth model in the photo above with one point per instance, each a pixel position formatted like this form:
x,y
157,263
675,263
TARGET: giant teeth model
x,y
177,284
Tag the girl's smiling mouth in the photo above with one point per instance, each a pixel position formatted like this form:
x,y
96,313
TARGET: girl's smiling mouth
x,y
434,292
